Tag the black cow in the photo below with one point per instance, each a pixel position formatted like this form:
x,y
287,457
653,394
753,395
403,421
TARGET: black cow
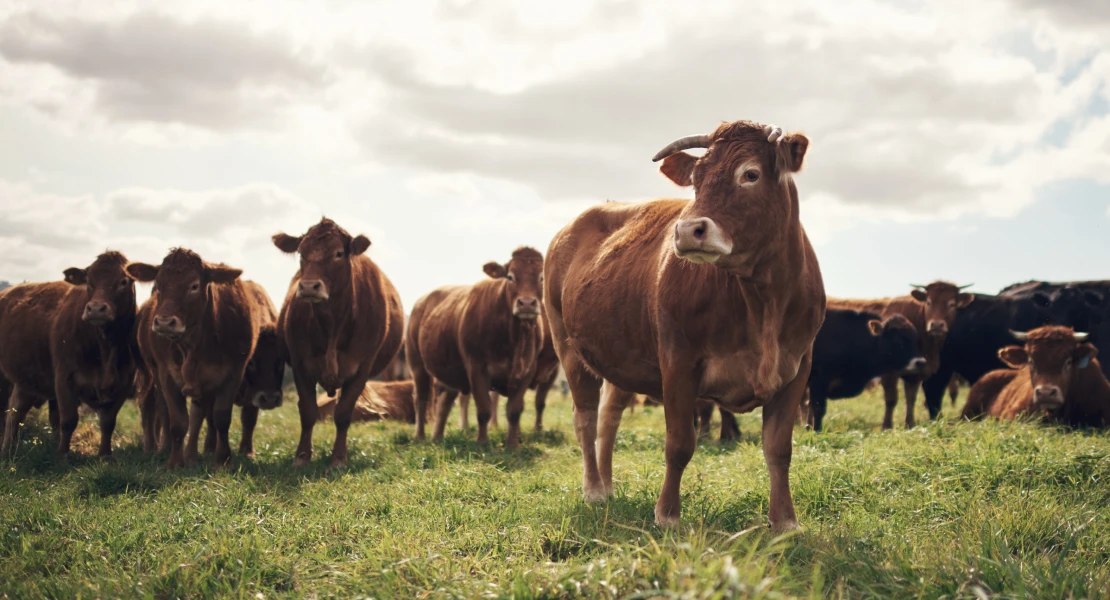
x,y
854,347
980,330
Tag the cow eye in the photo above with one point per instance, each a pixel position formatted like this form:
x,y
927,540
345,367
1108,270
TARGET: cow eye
x,y
126,281
511,277
195,287
751,175
339,254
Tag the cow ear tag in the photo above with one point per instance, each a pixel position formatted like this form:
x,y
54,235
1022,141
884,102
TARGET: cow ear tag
x,y
1084,362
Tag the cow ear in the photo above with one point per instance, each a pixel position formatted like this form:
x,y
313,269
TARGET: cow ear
x,y
359,245
875,326
919,295
679,168
75,276
1042,300
142,272
1093,299
286,243
964,299
791,151
222,274
1014,356
1083,355
494,270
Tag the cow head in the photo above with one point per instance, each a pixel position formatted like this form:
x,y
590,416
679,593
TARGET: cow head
x,y
182,289
899,339
942,302
744,195
265,372
326,251
523,276
1054,356
1070,305
109,289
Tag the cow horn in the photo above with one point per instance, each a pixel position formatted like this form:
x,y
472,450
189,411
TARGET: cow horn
x,y
1080,336
774,133
690,141
1020,336
918,285
964,287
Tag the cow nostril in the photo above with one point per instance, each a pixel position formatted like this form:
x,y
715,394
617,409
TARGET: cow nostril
x,y
699,231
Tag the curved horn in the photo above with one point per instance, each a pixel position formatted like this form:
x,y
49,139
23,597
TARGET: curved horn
x,y
918,285
690,141
774,133
1081,337
964,287
1020,336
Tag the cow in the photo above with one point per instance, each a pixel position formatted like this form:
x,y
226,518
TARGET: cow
x,y
1054,374
932,309
479,338
972,344
854,347
717,299
380,401
341,324
69,343
1080,305
547,370
200,332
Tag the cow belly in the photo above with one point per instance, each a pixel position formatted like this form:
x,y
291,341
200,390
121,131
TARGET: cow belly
x,y
731,380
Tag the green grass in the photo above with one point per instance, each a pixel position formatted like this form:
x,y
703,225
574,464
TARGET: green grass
x,y
947,510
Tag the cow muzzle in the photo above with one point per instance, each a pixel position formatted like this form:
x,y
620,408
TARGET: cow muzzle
x,y
267,400
937,328
916,365
168,327
700,240
98,313
526,308
312,290
1048,397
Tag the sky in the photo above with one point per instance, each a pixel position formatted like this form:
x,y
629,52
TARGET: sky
x,y
959,141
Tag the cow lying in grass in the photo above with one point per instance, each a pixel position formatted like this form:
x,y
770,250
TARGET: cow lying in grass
x,y
1054,374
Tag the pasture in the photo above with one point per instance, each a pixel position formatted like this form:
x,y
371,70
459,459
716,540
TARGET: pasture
x,y
949,509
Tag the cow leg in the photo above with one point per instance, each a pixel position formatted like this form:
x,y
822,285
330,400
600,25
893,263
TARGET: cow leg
x,y
585,391
480,392
198,414
177,419
514,408
423,384
541,403
613,405
306,405
249,417
444,402
162,423
890,397
19,404
818,403
464,411
778,430
149,418
67,411
494,400
209,432
730,429
934,388
107,416
911,384
704,417
680,391
52,414
344,409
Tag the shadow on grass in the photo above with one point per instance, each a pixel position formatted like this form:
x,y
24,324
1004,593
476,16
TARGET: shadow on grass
x,y
461,446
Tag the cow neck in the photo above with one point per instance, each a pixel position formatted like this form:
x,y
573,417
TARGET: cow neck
x,y
190,344
112,339
331,315
523,335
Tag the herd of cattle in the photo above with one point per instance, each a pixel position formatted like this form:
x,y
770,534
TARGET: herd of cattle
x,y
714,302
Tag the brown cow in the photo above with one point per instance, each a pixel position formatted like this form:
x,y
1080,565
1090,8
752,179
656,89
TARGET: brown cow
x,y
718,298
71,342
200,332
932,310
478,338
1054,375
380,401
340,325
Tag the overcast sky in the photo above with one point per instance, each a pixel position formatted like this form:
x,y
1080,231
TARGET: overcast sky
x,y
968,143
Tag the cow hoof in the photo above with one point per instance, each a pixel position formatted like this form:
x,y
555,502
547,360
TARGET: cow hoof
x,y
246,453
302,461
666,521
107,458
595,496
786,526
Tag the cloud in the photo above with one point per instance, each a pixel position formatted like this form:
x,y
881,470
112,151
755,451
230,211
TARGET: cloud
x,y
152,67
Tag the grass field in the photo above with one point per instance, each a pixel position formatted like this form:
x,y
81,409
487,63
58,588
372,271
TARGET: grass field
x,y
953,510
